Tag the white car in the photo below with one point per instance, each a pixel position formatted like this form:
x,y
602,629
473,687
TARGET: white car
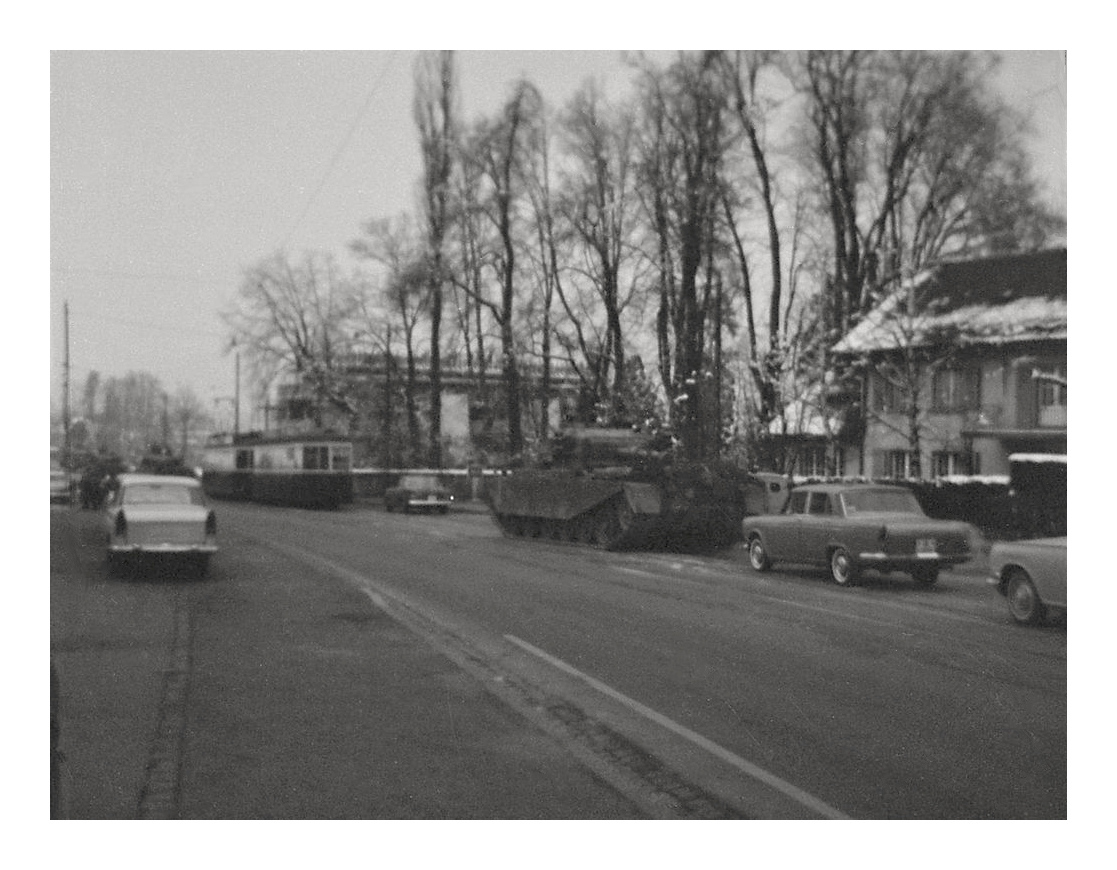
x,y
1032,576
59,485
152,515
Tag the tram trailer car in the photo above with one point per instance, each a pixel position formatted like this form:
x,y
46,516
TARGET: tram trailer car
x,y
292,471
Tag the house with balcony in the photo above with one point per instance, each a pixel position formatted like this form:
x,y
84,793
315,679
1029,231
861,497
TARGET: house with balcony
x,y
962,367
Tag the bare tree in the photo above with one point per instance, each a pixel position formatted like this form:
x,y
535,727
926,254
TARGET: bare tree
x,y
499,147
89,394
537,182
468,280
598,204
188,414
910,350
403,301
684,144
435,117
742,71
132,414
915,159
297,317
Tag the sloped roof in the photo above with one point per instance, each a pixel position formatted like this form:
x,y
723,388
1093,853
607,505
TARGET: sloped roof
x,y
994,300
803,416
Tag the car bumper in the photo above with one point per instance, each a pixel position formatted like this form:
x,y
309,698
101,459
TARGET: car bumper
x,y
161,549
428,503
892,562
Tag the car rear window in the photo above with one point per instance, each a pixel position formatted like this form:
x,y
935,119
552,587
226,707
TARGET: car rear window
x,y
162,493
880,501
797,504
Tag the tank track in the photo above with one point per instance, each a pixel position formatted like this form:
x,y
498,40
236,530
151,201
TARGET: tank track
x,y
610,525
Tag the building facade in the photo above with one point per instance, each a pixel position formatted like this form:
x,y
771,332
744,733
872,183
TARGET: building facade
x,y
963,367
473,423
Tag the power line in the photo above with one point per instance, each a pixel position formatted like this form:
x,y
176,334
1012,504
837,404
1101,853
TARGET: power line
x,y
154,326
341,148
144,276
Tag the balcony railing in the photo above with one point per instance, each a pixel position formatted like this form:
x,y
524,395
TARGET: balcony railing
x,y
986,418
993,419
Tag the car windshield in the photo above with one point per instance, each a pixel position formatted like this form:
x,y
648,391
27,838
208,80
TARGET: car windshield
x,y
162,493
418,483
877,501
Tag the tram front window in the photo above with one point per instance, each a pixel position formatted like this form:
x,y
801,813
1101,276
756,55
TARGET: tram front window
x,y
316,458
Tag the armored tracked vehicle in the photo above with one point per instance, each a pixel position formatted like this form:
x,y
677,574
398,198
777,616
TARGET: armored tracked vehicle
x,y
617,489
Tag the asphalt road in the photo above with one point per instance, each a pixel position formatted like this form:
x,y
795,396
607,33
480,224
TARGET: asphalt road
x,y
359,664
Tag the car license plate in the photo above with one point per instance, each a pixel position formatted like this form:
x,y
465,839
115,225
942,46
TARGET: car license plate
x,y
924,546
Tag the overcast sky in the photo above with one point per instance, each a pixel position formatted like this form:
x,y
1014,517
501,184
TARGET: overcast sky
x,y
171,172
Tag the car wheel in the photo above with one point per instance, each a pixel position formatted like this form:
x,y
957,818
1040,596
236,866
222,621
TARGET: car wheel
x,y
842,569
1023,601
758,556
926,576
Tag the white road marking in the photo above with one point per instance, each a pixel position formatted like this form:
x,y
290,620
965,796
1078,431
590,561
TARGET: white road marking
x,y
741,764
378,595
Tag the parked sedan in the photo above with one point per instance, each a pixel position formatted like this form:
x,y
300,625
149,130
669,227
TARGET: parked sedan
x,y
151,515
1032,576
417,492
851,527
59,485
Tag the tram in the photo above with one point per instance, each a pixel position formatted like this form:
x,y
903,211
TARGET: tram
x,y
296,470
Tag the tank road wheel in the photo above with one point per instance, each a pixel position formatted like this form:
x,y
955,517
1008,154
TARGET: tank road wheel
x,y
608,524
584,528
626,519
758,556
842,568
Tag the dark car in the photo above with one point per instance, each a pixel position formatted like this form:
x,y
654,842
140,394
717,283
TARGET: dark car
x,y
418,492
851,527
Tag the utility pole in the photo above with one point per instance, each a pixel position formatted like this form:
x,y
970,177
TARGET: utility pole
x,y
386,422
236,400
66,384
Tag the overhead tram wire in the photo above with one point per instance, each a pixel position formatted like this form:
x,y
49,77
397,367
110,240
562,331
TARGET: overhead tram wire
x,y
341,148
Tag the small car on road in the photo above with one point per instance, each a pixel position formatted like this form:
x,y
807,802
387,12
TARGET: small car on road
x,y
418,492
853,527
162,516
59,485
1032,576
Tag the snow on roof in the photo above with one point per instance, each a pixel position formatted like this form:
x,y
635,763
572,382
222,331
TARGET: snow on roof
x,y
890,328
990,301
803,417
